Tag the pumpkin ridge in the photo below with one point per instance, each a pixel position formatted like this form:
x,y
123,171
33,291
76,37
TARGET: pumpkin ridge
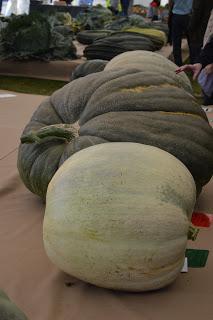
x,y
182,114
156,270
43,107
48,170
154,96
194,154
117,75
124,106
143,88
70,102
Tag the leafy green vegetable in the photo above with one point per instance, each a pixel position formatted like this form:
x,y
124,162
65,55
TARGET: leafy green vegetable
x,y
36,36
94,18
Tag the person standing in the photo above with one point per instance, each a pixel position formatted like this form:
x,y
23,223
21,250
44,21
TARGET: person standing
x,y
153,10
181,10
201,10
124,7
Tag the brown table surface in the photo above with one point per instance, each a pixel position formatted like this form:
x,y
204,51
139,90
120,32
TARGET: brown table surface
x,y
45,293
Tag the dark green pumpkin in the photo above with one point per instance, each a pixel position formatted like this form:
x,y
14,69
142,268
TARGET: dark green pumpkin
x,y
88,67
89,36
116,105
111,46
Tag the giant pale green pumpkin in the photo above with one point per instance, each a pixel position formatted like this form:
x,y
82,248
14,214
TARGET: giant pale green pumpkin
x,y
111,106
118,214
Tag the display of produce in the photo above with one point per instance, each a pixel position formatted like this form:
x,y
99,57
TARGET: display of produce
x,y
52,37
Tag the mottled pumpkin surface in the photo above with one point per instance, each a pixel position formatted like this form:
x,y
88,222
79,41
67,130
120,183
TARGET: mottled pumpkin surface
x,y
111,46
149,61
118,215
88,67
116,105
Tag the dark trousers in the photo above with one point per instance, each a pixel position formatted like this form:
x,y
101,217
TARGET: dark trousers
x,y
207,101
125,7
179,29
155,18
0,5
195,50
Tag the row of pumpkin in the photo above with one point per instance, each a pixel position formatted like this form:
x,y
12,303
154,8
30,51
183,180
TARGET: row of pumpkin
x,y
53,34
106,44
107,38
119,156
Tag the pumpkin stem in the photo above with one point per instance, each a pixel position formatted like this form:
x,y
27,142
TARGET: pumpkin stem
x,y
62,132
192,232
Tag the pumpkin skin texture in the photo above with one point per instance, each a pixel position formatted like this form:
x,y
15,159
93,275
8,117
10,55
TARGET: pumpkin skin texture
x,y
169,132
149,108
88,67
89,36
117,216
149,61
111,46
156,36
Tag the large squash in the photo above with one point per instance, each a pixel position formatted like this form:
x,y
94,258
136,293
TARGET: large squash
x,y
111,106
89,36
88,67
111,46
118,214
149,61
156,36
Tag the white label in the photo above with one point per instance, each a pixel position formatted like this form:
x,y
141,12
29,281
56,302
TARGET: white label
x,y
185,265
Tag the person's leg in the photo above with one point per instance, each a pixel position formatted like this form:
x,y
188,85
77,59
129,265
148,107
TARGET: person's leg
x,y
155,18
170,28
194,50
125,6
194,43
177,33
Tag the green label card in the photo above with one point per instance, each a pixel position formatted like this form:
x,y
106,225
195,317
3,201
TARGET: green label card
x,y
196,258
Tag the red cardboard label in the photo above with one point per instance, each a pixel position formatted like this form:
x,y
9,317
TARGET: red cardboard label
x,y
200,219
